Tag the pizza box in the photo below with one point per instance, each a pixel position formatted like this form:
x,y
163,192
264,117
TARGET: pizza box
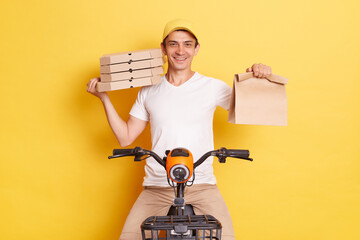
x,y
129,66
128,75
131,56
139,82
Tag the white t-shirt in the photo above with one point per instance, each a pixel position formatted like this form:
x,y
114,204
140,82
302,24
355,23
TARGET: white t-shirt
x,y
181,116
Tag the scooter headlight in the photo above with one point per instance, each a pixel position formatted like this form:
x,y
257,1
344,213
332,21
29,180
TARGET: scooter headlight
x,y
179,173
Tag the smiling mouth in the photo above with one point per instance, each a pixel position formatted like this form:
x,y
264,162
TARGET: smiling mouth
x,y
180,59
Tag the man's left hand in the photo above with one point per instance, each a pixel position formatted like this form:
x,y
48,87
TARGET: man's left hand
x,y
260,70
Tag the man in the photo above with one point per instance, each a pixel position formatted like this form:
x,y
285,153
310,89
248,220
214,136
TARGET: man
x,y
180,110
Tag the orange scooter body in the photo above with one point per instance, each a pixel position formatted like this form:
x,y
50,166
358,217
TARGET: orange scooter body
x,y
179,165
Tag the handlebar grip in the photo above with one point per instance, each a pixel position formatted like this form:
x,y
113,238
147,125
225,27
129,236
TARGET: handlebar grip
x,y
237,153
124,152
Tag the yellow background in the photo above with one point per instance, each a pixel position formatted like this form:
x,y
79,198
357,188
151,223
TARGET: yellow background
x,y
55,179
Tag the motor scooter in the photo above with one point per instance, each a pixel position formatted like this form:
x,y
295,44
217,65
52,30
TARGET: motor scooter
x,y
181,222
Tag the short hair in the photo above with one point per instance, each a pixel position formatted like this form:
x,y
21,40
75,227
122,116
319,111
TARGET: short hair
x,y
181,30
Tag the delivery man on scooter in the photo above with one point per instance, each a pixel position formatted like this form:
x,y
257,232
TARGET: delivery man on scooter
x,y
180,110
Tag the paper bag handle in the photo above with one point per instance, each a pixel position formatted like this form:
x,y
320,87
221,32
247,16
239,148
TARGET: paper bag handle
x,y
273,77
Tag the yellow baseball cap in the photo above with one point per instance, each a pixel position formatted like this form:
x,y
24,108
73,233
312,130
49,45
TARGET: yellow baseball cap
x,y
178,24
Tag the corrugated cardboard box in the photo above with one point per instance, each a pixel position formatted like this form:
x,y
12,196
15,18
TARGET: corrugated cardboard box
x,y
130,66
258,101
149,72
111,86
130,69
130,56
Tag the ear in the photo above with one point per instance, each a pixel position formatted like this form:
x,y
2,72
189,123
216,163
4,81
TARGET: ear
x,y
163,48
197,49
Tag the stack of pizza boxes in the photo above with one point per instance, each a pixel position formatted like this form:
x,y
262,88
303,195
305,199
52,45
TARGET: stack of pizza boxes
x,y
130,69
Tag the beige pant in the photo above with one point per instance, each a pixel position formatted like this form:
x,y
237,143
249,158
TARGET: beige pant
x,y
156,201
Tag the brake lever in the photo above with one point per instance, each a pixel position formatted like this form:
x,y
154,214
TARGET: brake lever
x,y
137,158
222,159
221,155
117,156
244,158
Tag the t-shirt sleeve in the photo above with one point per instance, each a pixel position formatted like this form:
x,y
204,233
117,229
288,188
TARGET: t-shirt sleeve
x,y
223,94
138,110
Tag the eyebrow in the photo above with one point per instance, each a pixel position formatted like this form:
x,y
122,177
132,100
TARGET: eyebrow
x,y
187,41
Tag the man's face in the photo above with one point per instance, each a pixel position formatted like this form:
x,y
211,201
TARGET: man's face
x,y
180,50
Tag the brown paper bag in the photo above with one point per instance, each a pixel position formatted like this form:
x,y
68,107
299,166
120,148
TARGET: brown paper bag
x,y
258,101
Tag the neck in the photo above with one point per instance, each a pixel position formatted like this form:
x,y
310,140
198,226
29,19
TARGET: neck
x,y
178,78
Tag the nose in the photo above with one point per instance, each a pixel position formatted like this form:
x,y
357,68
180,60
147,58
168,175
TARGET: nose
x,y
180,49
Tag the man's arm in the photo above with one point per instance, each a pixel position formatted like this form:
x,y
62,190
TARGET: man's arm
x,y
125,132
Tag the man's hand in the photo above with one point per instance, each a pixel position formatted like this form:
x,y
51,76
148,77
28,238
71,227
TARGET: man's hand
x,y
260,70
91,88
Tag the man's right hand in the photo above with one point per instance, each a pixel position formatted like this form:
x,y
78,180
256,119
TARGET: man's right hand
x,y
91,88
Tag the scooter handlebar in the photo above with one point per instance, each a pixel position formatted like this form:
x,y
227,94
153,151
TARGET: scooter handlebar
x,y
237,153
138,152
127,152
124,152
221,154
